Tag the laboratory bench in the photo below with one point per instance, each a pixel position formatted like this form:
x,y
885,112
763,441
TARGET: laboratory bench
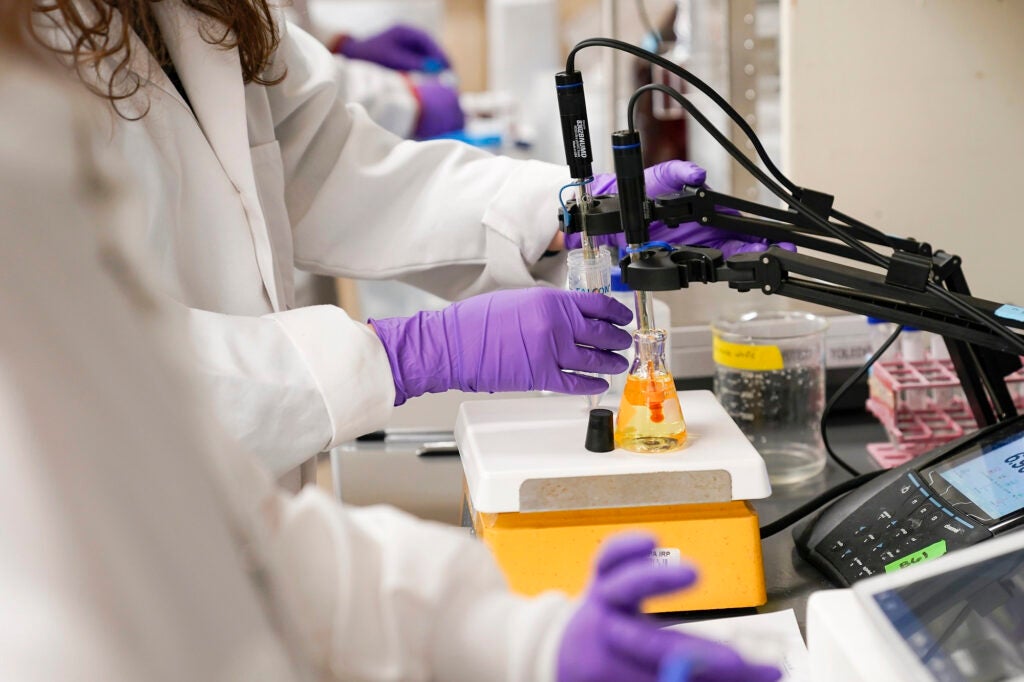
x,y
428,483
789,579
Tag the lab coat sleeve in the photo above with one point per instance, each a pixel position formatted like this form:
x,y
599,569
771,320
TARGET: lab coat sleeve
x,y
375,594
386,95
380,595
365,204
327,381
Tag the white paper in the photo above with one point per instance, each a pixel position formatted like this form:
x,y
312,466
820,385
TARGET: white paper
x,y
769,638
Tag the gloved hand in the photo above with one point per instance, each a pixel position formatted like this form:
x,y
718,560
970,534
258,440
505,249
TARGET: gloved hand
x,y
440,112
609,640
665,178
402,48
518,340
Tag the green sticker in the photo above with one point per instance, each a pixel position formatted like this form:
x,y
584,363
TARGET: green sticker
x,y
929,552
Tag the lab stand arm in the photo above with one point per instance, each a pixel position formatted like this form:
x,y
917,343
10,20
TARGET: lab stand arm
x,y
900,293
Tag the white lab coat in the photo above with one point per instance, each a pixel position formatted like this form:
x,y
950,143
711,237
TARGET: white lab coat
x,y
132,551
385,94
264,177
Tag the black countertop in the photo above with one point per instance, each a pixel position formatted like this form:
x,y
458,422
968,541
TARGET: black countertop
x,y
789,579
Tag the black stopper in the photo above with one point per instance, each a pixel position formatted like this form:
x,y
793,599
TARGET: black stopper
x,y
600,431
629,175
572,108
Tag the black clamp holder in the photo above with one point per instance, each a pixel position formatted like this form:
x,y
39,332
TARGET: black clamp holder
x,y
602,217
909,271
661,269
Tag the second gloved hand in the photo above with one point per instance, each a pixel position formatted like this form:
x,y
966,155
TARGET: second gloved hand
x,y
609,640
665,178
519,340
440,112
402,48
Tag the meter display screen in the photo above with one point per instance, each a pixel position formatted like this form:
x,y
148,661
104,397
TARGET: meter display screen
x,y
964,625
986,481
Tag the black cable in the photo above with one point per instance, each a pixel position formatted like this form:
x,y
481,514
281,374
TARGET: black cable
x,y
871,255
1014,339
697,83
755,141
843,389
813,505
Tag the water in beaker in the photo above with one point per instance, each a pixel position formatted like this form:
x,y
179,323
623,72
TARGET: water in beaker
x,y
770,378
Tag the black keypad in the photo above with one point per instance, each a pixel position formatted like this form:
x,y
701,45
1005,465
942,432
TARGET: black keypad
x,y
903,519
868,539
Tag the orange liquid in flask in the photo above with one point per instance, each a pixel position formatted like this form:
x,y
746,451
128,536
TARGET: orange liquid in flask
x,y
650,418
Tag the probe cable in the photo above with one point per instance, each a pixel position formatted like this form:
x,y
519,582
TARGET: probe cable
x,y
842,390
816,503
1014,339
834,230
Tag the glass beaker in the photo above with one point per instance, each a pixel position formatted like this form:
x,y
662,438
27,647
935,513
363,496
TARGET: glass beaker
x,y
770,378
589,274
649,419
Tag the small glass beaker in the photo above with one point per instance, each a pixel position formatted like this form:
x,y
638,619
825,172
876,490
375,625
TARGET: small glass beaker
x,y
589,274
650,418
770,378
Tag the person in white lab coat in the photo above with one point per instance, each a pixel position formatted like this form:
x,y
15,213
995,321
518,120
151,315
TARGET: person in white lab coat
x,y
250,161
136,547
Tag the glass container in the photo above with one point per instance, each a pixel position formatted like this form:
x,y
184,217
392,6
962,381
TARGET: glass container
x,y
589,274
650,419
770,378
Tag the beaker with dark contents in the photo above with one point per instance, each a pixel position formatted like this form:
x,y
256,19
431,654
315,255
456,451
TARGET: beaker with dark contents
x,y
770,378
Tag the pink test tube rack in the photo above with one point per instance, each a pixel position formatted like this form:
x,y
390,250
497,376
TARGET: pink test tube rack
x,y
921,405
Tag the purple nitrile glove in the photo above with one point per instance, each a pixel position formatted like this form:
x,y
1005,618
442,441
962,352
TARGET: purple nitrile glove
x,y
440,112
609,640
518,340
665,178
402,48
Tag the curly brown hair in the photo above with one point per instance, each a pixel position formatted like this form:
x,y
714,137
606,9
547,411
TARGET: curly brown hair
x,y
247,25
14,24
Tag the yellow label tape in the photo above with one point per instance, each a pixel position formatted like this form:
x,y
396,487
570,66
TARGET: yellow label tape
x,y
741,356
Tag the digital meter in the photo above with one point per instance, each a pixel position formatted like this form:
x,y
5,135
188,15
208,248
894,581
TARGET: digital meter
x,y
952,497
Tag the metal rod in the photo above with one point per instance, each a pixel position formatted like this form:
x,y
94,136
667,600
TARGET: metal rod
x,y
584,200
643,303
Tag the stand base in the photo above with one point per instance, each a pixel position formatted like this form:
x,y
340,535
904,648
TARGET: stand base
x,y
556,550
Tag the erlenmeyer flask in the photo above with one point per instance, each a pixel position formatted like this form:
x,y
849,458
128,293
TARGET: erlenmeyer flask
x,y
650,419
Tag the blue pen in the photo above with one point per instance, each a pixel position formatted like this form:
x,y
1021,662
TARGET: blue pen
x,y
675,669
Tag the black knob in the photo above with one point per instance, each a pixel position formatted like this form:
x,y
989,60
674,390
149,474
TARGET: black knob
x,y
600,431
